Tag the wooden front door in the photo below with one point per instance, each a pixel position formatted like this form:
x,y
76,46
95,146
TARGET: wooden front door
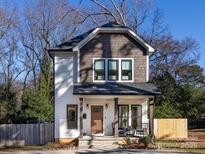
x,y
96,119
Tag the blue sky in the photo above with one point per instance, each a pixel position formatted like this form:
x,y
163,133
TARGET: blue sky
x,y
186,18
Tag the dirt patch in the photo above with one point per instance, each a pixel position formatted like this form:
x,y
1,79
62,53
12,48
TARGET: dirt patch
x,y
197,133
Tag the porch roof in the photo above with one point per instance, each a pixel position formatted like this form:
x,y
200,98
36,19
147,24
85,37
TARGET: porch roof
x,y
115,89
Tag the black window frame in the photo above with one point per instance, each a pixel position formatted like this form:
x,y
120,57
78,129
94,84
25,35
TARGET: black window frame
x,y
95,60
119,115
108,69
76,117
140,115
131,70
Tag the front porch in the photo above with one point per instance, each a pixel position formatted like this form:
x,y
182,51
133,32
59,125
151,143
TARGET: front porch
x,y
116,116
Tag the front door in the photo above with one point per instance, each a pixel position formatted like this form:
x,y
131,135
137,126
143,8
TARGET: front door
x,y
96,119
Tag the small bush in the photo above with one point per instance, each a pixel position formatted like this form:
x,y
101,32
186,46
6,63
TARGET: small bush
x,y
145,140
127,140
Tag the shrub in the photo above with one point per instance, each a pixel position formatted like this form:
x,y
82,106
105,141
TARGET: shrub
x,y
145,140
166,110
127,140
36,107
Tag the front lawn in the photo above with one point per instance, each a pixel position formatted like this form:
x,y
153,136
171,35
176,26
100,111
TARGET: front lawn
x,y
196,151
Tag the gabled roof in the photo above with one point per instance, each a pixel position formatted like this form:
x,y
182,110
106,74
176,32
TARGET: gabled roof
x,y
77,42
115,89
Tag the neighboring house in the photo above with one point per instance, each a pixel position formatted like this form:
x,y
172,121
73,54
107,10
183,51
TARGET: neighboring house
x,y
101,81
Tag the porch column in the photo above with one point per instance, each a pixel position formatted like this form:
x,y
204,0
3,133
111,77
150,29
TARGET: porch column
x,y
81,117
116,134
151,116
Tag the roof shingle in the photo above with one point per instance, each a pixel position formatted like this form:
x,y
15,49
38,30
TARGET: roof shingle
x,y
115,89
74,41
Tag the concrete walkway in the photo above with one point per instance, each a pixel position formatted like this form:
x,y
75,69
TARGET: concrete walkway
x,y
97,151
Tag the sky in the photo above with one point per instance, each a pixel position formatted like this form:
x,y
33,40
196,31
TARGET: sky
x,y
185,18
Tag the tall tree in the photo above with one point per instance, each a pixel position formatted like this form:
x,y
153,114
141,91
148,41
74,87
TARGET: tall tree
x,y
44,24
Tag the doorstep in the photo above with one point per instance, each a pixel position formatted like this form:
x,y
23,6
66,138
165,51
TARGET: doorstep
x,y
101,141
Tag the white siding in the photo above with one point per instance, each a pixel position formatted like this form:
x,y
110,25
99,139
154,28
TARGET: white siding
x,y
64,76
108,115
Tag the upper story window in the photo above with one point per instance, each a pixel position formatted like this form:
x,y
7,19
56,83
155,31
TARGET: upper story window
x,y
113,69
126,71
99,68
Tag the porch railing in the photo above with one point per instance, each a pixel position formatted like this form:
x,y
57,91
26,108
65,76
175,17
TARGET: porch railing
x,y
135,132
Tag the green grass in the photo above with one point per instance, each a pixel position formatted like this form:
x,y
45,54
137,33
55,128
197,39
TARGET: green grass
x,y
196,151
181,146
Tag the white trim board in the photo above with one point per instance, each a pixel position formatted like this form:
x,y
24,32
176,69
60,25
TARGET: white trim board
x,y
114,30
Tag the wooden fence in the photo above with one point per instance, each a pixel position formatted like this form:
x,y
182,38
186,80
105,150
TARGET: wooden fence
x,y
26,134
170,128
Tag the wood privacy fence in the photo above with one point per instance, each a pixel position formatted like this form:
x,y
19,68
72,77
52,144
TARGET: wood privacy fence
x,y
26,134
170,128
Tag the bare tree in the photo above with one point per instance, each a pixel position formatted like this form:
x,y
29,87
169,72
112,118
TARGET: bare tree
x,y
10,70
47,23
10,67
171,55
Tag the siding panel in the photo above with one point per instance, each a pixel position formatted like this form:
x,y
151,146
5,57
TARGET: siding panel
x,y
112,46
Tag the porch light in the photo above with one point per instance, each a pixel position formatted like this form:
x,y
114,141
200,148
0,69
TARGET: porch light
x,y
106,105
87,105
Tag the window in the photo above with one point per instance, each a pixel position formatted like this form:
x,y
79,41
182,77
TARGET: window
x,y
123,116
99,68
72,116
136,116
112,69
126,70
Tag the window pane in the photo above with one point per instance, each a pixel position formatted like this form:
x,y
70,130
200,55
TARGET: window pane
x,y
99,65
126,65
112,65
126,70
136,116
99,69
72,116
123,116
112,69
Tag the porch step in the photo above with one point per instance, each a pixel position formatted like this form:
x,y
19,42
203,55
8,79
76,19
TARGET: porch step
x,y
99,142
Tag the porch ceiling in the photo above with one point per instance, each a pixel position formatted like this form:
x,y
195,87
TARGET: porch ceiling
x,y
146,89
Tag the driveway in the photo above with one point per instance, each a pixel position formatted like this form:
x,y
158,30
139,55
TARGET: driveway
x,y
97,151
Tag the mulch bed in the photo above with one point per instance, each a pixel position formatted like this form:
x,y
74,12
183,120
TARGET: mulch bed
x,y
138,146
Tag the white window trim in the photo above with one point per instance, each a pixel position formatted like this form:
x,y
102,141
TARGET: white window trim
x,y
119,69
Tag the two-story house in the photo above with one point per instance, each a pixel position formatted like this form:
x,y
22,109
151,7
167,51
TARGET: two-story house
x,y
101,83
